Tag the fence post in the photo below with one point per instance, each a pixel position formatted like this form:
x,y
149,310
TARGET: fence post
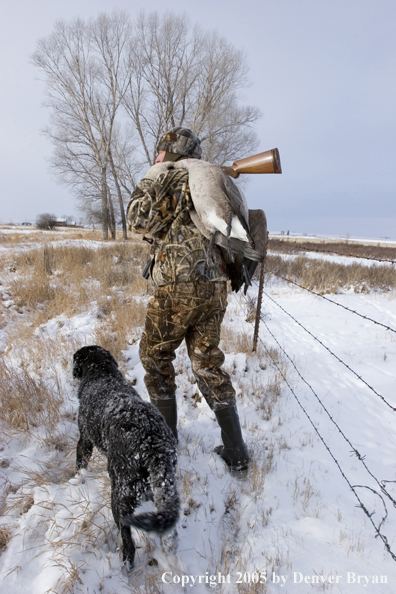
x,y
258,309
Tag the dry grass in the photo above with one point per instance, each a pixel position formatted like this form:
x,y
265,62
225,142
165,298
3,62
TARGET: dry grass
x,y
252,588
5,537
14,235
26,401
272,391
330,277
90,530
342,248
16,502
63,280
258,471
79,275
35,289
46,281
236,342
123,316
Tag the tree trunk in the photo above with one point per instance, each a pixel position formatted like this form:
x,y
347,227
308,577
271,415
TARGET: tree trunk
x,y
123,217
105,212
112,223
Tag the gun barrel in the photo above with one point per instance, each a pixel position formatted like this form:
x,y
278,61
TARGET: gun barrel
x,y
267,162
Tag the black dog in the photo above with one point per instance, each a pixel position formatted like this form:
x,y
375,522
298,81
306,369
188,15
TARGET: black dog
x,y
140,448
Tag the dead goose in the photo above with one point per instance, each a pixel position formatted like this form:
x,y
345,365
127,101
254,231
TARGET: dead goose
x,y
221,211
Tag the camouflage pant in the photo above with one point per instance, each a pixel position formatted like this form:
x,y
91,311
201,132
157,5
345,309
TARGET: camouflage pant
x,y
192,311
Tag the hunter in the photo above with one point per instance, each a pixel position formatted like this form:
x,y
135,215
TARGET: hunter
x,y
190,299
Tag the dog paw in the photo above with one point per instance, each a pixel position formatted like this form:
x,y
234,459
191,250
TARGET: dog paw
x,y
78,478
128,559
169,542
128,565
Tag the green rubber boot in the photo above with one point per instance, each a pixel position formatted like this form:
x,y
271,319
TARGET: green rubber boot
x,y
168,409
234,451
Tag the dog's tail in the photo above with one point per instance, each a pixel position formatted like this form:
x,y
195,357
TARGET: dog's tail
x,y
167,502
160,521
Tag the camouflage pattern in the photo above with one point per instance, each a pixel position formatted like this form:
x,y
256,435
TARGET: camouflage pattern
x,y
191,290
193,312
161,208
181,141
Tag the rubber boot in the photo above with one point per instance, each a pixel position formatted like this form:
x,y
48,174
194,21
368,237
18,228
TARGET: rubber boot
x,y
234,451
168,409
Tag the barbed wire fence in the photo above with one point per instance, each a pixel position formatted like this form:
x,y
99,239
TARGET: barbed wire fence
x,y
334,302
381,484
331,352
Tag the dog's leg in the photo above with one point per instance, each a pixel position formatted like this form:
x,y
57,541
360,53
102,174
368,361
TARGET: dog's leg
x,y
128,548
84,452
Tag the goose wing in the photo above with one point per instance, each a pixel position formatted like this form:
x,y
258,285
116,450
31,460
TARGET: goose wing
x,y
217,200
233,194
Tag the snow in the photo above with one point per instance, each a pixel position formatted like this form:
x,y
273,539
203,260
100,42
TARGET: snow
x,y
331,238
335,259
293,519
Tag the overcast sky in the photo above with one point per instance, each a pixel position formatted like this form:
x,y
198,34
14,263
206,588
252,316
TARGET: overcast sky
x,y
323,74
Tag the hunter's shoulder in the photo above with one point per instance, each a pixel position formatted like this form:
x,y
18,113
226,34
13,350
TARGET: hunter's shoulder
x,y
162,173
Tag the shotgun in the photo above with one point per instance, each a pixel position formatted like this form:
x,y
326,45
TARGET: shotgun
x,y
268,162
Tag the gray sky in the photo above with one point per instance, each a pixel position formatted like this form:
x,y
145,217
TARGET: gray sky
x,y
322,72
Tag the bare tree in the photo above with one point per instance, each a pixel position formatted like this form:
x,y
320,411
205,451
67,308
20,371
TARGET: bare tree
x,y
114,87
85,79
45,221
180,76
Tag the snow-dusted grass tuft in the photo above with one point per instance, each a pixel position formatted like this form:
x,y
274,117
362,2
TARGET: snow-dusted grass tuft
x,y
27,401
59,280
260,466
5,536
64,278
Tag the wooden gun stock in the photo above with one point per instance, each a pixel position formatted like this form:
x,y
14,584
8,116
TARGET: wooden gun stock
x,y
268,162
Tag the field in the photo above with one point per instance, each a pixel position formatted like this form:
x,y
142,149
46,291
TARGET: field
x,y
317,510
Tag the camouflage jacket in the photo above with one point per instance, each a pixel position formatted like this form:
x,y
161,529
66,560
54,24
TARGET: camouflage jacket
x,y
160,208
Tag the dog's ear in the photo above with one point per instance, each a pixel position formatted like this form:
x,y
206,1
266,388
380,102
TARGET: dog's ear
x,y
79,358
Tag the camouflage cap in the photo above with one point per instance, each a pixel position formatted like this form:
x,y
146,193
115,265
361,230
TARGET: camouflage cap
x,y
181,141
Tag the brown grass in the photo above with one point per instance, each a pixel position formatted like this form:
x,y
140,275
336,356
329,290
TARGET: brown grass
x,y
236,342
27,401
342,248
5,537
80,274
14,235
330,277
103,276
124,314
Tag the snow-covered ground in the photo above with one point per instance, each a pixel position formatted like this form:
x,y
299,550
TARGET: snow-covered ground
x,y
292,525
